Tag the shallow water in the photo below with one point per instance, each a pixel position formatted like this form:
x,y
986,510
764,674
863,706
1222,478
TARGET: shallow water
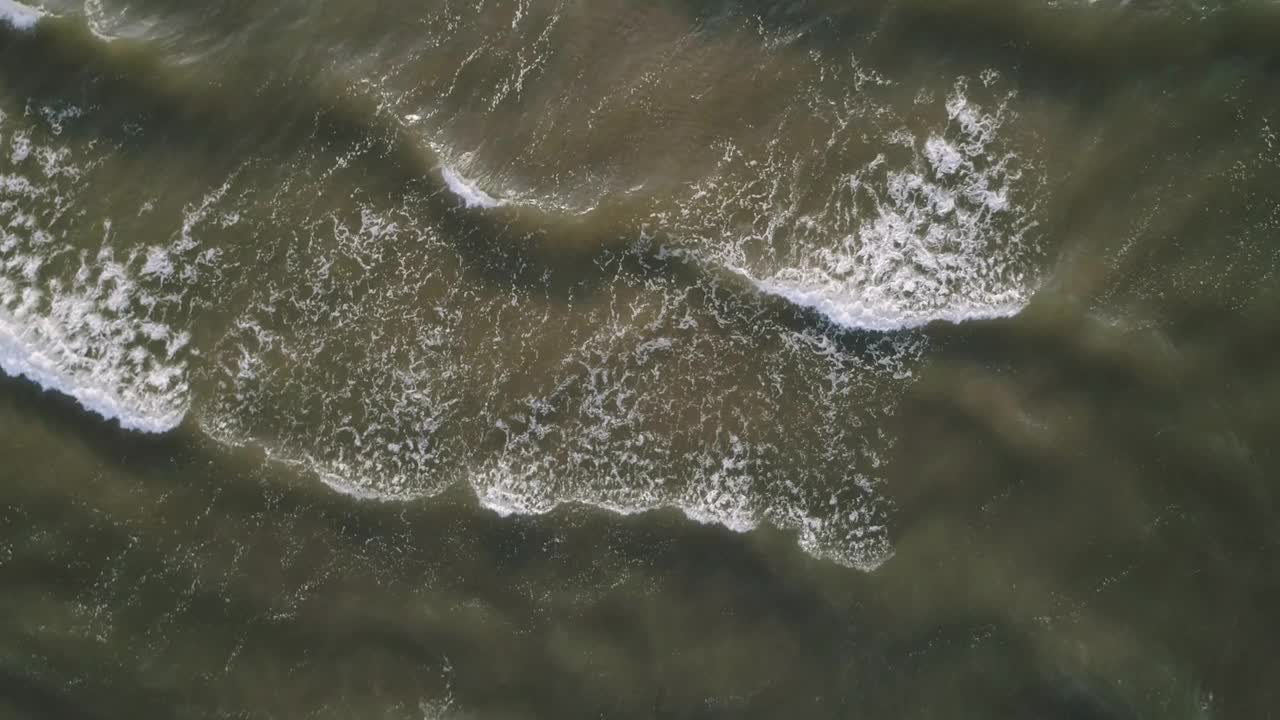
x,y
538,358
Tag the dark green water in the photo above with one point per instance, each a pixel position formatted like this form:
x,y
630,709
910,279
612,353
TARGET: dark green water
x,y
560,359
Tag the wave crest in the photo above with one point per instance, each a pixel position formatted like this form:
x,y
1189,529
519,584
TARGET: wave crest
x,y
927,230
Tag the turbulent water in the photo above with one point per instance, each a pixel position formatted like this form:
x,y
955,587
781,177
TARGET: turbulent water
x,y
544,358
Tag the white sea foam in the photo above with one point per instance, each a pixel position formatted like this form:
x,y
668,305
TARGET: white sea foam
x,y
602,437
456,169
372,437
466,190
851,537
95,16
80,338
595,427
854,306
593,432
393,383
939,235
41,357
79,322
19,16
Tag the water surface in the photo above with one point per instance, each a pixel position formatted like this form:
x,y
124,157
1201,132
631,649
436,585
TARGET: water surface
x,y
540,358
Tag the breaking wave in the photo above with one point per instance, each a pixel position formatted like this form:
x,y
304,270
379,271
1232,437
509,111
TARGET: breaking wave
x,y
930,229
466,190
76,315
19,16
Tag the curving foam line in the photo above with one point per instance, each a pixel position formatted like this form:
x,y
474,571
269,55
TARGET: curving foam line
x,y
937,238
839,304
19,357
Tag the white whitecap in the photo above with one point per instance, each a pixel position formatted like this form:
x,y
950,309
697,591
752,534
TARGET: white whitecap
x,y
19,16
466,190
22,355
945,158
843,303
938,233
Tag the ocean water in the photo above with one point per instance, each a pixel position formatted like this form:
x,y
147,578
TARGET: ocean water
x,y
679,359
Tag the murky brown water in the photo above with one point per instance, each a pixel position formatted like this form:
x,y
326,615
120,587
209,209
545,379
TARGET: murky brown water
x,y
525,359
